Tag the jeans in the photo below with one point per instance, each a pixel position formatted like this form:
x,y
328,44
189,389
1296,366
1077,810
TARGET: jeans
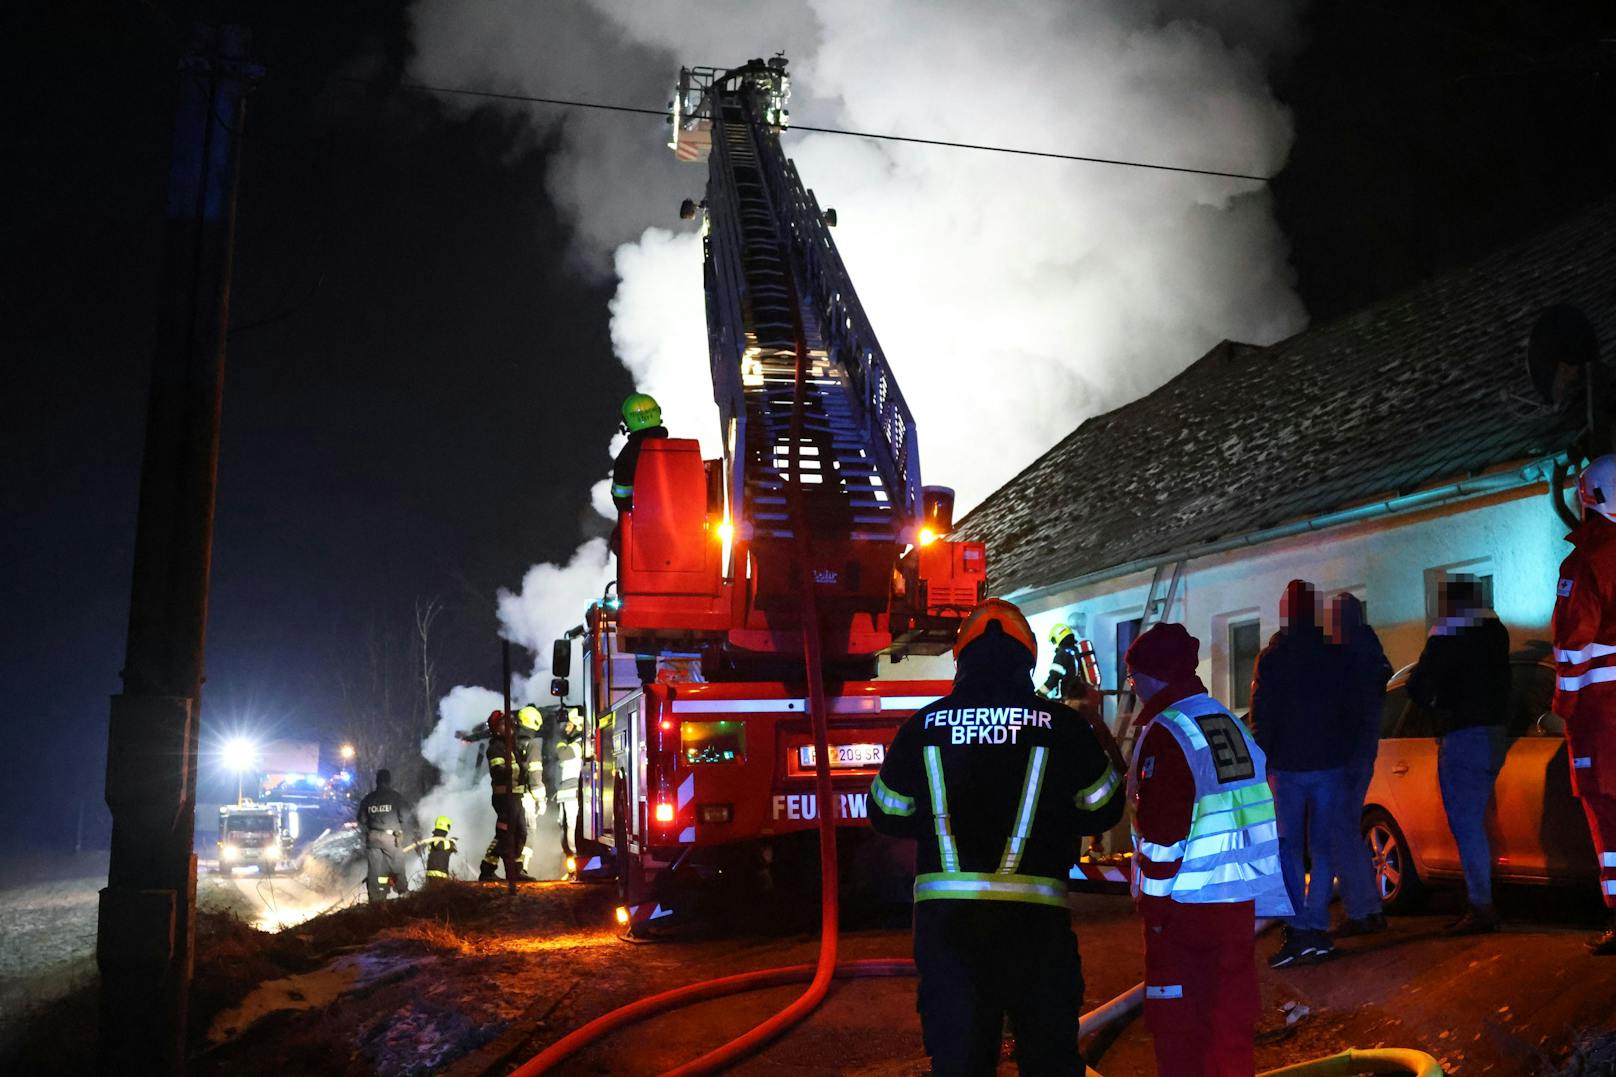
x,y
1307,804
1467,762
1354,865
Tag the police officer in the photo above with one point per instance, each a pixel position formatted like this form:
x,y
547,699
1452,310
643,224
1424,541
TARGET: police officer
x,y
508,770
1206,861
997,785
1585,659
381,821
440,848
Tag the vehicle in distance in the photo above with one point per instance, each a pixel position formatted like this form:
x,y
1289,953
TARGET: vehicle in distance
x,y
1536,826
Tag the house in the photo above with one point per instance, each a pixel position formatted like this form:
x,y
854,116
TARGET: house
x,y
1377,454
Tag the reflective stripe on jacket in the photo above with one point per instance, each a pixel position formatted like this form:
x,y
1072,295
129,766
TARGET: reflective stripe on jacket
x,y
1231,852
1584,635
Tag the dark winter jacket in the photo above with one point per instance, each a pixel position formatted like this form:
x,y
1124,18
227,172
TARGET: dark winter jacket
x,y
627,461
384,809
1302,703
1463,672
1369,672
985,732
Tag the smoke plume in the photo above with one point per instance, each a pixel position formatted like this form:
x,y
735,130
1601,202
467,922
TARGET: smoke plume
x,y
1014,296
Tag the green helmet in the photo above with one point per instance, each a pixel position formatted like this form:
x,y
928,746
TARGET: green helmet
x,y
441,823
1060,633
641,412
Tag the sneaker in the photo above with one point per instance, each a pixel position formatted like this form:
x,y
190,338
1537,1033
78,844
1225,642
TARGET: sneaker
x,y
1367,925
1604,945
1316,945
1479,920
1292,951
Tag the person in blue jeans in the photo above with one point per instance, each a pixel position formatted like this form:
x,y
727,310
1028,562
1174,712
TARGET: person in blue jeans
x,y
1463,678
1368,672
1301,717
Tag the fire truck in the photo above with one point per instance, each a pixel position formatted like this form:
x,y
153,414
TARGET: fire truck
x,y
813,529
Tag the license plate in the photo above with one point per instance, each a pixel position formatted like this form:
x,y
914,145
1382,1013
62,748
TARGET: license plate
x,y
844,755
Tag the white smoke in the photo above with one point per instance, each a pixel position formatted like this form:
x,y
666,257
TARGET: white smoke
x,y
463,792
1014,296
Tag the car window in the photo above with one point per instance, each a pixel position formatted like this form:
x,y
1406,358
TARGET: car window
x,y
1410,719
1392,710
1531,689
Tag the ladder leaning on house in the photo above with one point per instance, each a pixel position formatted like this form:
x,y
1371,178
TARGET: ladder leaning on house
x,y
1106,848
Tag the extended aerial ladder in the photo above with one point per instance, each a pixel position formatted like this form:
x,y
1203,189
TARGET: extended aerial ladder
x,y
884,580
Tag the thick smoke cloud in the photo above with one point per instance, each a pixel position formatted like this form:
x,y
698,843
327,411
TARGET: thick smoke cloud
x,y
1014,296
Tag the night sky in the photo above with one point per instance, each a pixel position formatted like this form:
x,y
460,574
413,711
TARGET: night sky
x,y
420,385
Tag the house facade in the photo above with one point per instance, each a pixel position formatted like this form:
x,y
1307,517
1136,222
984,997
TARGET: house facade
x,y
1379,454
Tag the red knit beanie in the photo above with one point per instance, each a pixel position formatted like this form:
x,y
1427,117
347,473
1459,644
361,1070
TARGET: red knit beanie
x,y
1166,652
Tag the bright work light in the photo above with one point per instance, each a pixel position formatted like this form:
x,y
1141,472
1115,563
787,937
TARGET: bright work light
x,y
239,754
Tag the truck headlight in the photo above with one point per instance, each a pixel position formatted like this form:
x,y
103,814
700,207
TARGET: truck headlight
x,y
229,852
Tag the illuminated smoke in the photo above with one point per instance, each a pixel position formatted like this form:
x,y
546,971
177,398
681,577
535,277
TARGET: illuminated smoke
x,y
1013,296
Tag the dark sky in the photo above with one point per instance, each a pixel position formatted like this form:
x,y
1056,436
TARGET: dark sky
x,y
421,387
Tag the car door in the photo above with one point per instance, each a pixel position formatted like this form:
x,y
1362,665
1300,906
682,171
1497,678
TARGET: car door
x,y
1518,819
1406,770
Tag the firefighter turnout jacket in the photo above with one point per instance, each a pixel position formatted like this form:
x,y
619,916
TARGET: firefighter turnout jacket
x,y
517,773
998,784
1585,689
1205,831
1585,654
439,849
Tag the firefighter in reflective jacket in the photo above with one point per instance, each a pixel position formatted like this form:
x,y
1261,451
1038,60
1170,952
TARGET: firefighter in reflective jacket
x,y
997,785
564,773
508,767
440,849
381,821
1585,654
1206,861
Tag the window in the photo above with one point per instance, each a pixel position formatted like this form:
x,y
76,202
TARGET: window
x,y
1245,640
1127,632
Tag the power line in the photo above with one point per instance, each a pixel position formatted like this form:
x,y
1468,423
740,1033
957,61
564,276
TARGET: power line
x,y
604,107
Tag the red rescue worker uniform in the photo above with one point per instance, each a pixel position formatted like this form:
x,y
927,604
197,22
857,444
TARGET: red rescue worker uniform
x,y
996,784
1585,692
1206,863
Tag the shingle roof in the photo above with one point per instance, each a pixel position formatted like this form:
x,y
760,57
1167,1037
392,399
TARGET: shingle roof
x,y
1427,386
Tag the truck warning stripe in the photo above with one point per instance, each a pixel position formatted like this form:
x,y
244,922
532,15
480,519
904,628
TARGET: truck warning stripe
x,y
838,705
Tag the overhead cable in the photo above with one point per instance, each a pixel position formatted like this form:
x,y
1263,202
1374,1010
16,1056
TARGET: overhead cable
x,y
562,102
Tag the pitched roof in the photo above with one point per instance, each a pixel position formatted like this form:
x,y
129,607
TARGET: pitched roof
x,y
1427,386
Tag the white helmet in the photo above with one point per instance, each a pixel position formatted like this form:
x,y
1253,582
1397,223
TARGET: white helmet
x,y
1596,486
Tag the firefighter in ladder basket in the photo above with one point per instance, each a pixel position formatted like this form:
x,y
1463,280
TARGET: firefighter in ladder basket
x,y
996,784
642,422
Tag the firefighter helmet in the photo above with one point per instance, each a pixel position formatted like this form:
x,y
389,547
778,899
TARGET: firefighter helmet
x,y
641,412
529,717
1060,634
1596,486
496,723
1010,618
441,823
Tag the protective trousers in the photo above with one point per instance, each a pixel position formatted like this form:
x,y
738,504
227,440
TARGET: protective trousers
x,y
384,864
1600,807
982,960
1201,1000
510,831
567,818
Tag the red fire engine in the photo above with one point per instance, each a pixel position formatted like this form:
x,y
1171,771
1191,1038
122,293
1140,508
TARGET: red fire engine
x,y
814,529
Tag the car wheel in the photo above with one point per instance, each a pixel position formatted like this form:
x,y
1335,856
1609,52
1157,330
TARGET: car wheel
x,y
1401,889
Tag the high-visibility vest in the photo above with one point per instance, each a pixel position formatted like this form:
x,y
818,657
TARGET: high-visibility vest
x,y
1232,850
1007,882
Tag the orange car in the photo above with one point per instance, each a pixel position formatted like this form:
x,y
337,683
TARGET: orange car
x,y
1537,828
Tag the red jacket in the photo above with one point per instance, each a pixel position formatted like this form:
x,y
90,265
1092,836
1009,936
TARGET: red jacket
x,y
1585,654
1163,789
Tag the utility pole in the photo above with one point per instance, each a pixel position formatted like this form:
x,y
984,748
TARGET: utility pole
x,y
146,928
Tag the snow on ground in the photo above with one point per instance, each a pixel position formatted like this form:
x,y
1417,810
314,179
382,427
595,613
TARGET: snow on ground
x,y
47,934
